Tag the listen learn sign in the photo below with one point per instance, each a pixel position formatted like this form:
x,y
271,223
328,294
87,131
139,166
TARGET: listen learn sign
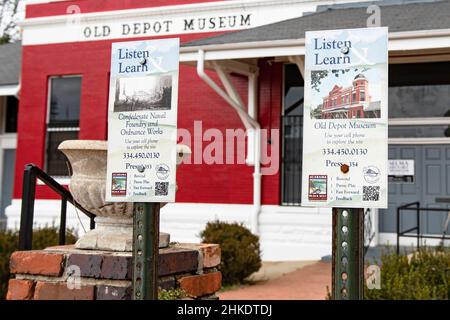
x,y
142,121
345,118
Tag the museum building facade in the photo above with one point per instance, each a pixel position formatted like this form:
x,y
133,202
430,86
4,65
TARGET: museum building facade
x,y
255,51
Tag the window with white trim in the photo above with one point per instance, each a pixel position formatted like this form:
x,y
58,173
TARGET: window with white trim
x,y
419,100
63,121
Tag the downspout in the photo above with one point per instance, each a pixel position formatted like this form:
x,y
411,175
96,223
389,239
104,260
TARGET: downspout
x,y
249,122
252,110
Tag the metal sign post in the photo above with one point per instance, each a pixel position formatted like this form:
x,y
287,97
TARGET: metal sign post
x,y
145,250
348,254
345,126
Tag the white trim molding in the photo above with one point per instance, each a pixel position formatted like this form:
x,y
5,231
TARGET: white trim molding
x,y
422,42
47,213
422,121
419,141
286,233
8,141
9,90
164,20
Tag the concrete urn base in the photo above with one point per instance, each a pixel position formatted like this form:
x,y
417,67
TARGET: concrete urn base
x,y
114,220
112,234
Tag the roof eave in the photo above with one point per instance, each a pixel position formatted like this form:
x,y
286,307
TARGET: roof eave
x,y
9,89
398,42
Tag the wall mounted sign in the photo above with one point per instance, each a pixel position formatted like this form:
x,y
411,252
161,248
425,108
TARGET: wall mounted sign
x,y
345,118
401,171
142,121
189,18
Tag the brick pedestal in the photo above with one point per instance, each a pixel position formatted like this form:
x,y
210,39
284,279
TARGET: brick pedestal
x,y
66,273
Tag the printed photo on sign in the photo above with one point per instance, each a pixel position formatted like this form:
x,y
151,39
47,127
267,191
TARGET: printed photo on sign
x,y
346,93
318,187
119,184
143,93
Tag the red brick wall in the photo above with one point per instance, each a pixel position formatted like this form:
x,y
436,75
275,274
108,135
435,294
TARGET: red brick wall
x,y
44,274
86,6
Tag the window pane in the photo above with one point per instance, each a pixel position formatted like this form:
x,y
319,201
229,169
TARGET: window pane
x,y
65,102
419,101
442,131
293,90
12,107
419,90
56,160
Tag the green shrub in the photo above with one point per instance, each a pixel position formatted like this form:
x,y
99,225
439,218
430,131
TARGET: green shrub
x,y
172,294
240,250
9,242
424,275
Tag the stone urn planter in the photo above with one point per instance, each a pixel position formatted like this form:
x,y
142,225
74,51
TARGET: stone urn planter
x,y
114,220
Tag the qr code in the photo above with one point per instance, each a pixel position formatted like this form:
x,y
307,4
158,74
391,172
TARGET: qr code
x,y
161,188
371,193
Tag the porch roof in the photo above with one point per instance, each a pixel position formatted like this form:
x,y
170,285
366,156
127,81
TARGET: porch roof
x,y
408,21
10,61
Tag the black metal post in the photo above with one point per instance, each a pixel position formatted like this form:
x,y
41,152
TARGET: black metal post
x,y
398,231
145,250
27,211
62,222
418,226
348,254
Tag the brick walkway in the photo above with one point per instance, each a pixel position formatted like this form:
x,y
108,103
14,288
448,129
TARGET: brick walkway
x,y
307,283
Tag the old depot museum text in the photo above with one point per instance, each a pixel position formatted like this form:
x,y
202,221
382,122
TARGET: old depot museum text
x,y
215,23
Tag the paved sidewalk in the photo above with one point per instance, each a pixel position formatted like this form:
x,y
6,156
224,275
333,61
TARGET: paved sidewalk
x,y
303,281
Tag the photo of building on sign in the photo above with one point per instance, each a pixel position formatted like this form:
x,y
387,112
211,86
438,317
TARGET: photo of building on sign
x,y
119,184
348,93
135,93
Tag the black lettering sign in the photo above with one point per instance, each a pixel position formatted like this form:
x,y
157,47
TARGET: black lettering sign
x,y
188,24
160,26
125,29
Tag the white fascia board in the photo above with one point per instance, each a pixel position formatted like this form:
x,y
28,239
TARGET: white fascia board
x,y
167,20
245,50
398,41
164,10
27,2
9,90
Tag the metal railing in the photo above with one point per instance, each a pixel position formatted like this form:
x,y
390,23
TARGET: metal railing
x,y
415,206
31,173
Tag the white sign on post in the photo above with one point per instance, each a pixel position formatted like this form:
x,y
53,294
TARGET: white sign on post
x,y
401,171
345,118
142,121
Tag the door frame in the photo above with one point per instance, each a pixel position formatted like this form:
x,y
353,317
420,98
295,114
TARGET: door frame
x,y
8,141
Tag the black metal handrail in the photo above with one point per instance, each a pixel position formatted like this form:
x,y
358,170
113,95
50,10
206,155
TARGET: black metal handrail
x,y
30,174
415,206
